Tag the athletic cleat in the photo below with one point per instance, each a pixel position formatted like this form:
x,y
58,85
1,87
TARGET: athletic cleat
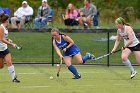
x,y
91,56
88,54
133,74
77,77
15,80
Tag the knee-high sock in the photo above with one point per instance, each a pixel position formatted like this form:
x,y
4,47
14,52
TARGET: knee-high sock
x,y
11,72
73,70
128,63
85,58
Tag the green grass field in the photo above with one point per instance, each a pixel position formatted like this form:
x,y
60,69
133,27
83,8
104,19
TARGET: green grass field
x,y
95,79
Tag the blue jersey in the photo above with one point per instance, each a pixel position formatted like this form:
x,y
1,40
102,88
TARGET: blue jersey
x,y
71,51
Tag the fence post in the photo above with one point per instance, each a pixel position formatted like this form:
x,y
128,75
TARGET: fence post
x,y
108,47
52,53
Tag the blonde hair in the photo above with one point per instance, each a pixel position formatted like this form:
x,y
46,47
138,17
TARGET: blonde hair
x,y
72,10
57,30
122,21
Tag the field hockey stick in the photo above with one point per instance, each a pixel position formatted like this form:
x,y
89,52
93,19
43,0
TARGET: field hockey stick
x,y
61,61
106,55
19,47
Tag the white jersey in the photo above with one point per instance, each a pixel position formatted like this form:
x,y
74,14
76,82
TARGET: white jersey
x,y
3,46
125,37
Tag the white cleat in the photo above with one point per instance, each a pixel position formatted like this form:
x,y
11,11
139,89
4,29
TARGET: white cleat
x,y
91,56
133,74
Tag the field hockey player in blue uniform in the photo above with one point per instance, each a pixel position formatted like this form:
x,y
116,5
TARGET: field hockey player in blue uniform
x,y
70,50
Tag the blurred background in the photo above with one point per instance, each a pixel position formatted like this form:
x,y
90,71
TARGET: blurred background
x,y
37,46
109,9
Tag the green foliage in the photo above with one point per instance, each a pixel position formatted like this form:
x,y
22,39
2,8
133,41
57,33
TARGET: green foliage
x,y
109,9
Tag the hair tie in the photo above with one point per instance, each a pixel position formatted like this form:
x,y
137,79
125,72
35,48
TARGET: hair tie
x,y
119,20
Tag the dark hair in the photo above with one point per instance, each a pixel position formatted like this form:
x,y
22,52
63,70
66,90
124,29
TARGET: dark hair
x,y
88,1
3,17
122,21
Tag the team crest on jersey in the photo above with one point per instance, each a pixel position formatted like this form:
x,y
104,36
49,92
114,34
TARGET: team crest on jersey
x,y
63,46
125,37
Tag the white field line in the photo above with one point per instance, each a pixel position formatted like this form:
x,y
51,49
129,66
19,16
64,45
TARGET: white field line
x,y
84,85
34,73
126,85
35,86
54,86
31,73
69,72
121,84
93,86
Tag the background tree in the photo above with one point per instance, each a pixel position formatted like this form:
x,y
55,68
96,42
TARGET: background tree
x,y
109,9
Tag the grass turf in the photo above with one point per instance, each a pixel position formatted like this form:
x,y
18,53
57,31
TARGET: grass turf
x,y
95,79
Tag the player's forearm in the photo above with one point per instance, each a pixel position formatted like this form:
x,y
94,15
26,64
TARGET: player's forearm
x,y
58,53
129,42
9,40
6,41
117,42
70,44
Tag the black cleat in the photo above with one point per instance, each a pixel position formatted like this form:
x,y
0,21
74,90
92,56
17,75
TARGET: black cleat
x,y
133,74
15,80
77,77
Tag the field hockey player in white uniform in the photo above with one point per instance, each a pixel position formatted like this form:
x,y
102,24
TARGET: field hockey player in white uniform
x,y
131,44
5,55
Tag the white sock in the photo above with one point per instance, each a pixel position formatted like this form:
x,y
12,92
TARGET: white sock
x,y
12,72
128,63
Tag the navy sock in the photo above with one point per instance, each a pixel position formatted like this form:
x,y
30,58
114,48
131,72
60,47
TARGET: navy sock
x,y
85,58
73,70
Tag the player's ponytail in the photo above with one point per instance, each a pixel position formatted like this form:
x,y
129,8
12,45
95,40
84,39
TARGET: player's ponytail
x,y
122,21
3,17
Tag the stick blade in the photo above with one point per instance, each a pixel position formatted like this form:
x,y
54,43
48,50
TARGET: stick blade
x,y
19,47
57,74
